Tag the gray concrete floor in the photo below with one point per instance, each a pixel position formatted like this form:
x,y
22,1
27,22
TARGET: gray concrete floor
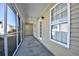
x,y
32,47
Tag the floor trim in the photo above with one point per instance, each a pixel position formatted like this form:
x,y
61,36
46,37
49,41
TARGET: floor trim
x,y
17,49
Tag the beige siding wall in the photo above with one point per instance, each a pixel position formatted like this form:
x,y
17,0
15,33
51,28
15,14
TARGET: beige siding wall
x,y
74,39
75,28
28,29
36,29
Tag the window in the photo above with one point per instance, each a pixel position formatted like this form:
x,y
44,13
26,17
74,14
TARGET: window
x,y
60,24
10,26
40,28
1,29
19,24
11,29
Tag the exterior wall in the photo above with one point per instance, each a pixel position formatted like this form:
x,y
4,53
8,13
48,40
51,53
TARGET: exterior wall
x,y
57,49
28,29
36,29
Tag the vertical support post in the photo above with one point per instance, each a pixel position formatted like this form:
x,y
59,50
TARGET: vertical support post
x,y
17,30
21,29
5,31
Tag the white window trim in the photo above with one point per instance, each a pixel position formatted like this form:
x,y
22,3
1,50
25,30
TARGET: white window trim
x,y
68,38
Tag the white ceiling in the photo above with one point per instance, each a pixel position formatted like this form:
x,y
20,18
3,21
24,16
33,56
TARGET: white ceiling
x,y
31,9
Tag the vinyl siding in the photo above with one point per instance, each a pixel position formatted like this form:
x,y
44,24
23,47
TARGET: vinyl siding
x,y
75,27
57,49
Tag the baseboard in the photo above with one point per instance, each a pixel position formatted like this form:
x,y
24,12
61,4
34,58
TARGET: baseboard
x,y
16,49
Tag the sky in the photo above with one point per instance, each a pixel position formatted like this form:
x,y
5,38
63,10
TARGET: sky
x,y
1,11
10,15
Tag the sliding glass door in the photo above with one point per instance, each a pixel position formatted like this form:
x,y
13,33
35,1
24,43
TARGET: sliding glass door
x,y
1,29
11,29
19,37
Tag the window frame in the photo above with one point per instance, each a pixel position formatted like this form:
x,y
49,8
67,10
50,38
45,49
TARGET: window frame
x,y
68,19
40,22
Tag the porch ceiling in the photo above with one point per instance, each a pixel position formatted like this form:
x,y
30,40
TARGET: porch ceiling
x,y
31,10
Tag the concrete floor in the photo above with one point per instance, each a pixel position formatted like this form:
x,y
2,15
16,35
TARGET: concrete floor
x,y
32,47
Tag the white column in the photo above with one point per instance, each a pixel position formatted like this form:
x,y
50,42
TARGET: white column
x,y
5,31
17,30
